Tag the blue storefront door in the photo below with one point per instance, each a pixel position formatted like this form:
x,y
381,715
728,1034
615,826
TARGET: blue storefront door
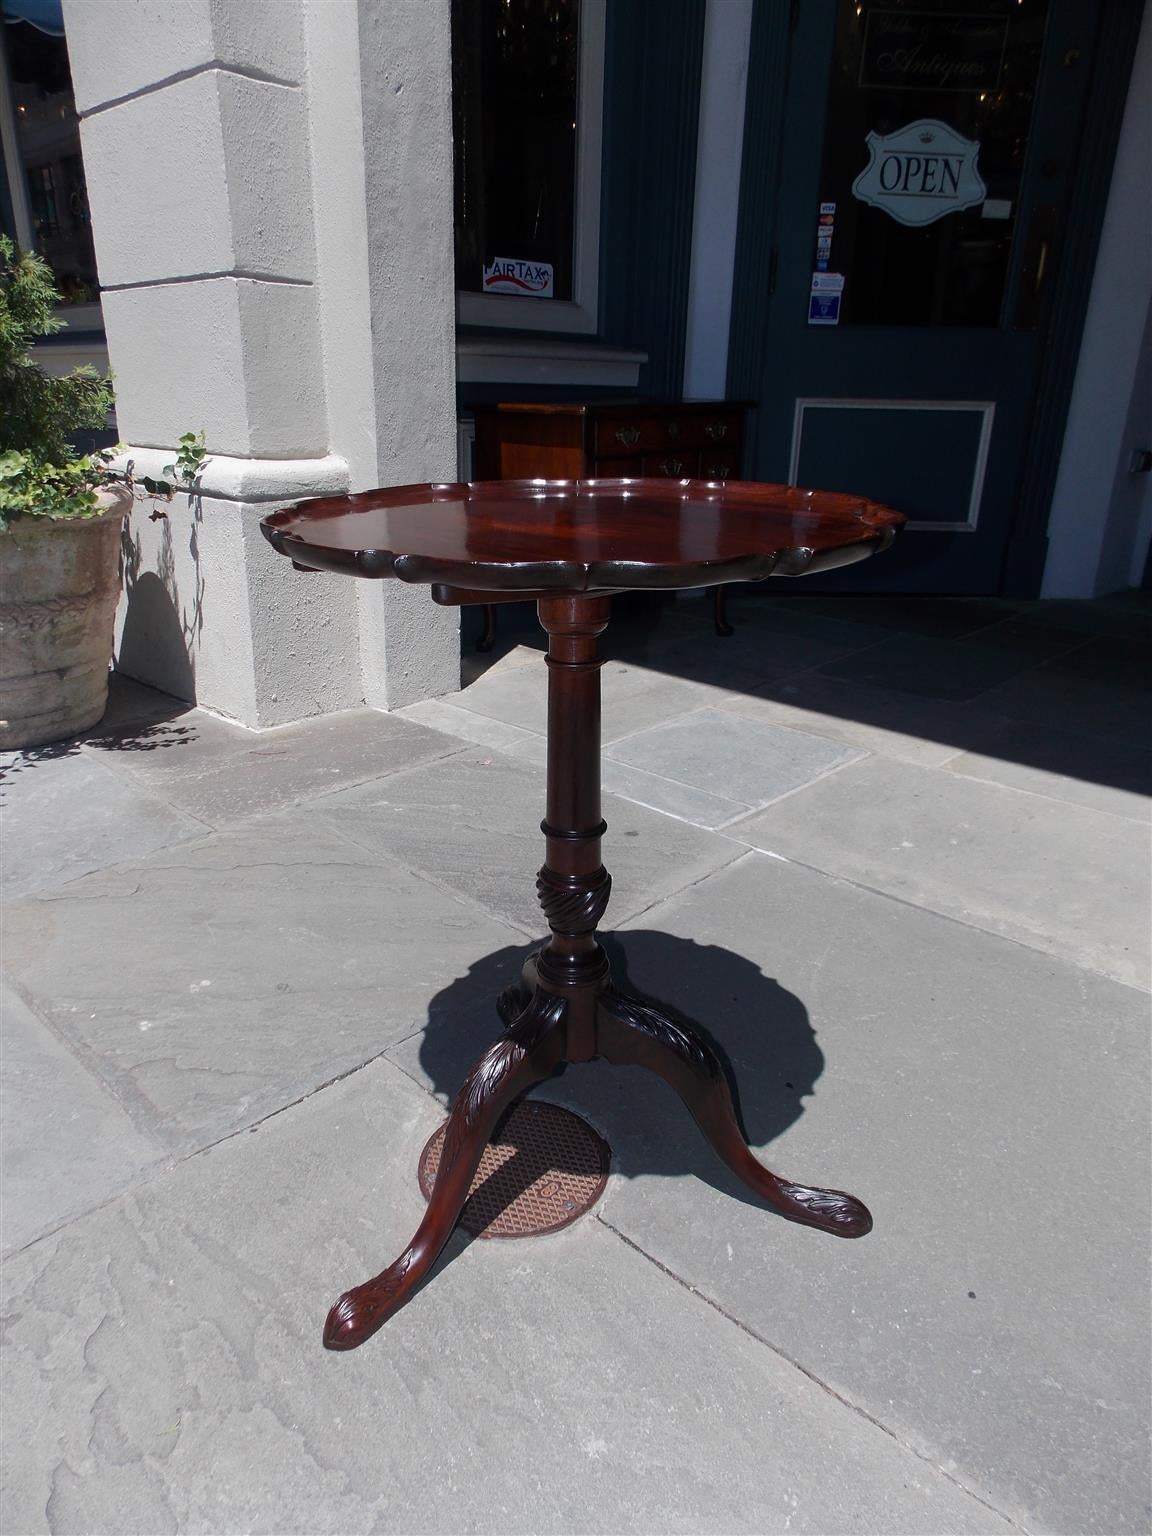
x,y
925,173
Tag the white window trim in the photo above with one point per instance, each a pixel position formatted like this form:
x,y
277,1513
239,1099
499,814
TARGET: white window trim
x,y
545,360
581,313
465,447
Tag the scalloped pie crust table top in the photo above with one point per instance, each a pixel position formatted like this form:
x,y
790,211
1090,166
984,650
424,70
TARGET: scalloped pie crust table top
x,y
569,544
582,535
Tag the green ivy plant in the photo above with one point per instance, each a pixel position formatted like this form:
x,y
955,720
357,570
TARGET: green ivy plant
x,y
191,457
41,475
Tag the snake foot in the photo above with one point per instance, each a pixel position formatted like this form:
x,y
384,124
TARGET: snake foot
x,y
828,1209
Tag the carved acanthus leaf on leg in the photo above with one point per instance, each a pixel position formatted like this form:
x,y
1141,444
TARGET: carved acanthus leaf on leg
x,y
528,1053
632,1033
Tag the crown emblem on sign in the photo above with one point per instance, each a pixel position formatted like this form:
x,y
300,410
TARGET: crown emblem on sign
x,y
927,138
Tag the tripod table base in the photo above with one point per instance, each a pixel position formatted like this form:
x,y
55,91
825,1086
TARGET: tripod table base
x,y
566,1009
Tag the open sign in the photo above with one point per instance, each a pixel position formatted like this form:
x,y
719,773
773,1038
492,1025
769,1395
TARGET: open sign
x,y
920,172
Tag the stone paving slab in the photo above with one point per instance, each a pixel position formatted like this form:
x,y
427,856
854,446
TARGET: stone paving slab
x,y
1122,614
1062,878
215,983
679,641
728,754
1103,688
633,697
673,797
765,611
916,730
65,814
1103,775
472,823
987,1101
66,1145
165,1352
959,668
133,706
480,730
525,648
706,767
223,774
928,615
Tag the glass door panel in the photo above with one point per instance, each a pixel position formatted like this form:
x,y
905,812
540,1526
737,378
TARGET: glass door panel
x,y
925,135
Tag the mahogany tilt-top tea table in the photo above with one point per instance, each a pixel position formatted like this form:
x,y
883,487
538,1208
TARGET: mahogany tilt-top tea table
x,y
569,544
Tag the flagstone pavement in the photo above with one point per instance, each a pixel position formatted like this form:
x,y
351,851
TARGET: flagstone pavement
x,y
893,854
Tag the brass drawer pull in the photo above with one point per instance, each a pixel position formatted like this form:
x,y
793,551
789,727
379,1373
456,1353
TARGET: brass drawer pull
x,y
628,435
720,471
671,467
716,429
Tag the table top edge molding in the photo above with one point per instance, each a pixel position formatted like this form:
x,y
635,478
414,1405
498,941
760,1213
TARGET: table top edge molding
x,y
766,530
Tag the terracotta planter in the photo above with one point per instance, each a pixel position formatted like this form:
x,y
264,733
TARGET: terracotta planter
x,y
59,583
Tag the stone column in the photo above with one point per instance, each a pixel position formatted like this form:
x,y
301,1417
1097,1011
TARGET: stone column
x,y
381,73
231,193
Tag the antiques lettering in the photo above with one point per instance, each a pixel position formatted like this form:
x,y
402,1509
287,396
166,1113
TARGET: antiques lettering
x,y
935,69
927,51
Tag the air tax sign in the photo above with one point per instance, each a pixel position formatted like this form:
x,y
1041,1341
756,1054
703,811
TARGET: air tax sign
x,y
530,279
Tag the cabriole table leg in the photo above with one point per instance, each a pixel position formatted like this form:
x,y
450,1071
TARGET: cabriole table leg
x,y
635,1034
530,1051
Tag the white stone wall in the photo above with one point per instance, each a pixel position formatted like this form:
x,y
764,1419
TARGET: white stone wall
x,y
271,194
716,215
398,287
1101,518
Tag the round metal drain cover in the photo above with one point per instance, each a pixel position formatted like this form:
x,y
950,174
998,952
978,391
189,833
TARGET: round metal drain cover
x,y
543,1168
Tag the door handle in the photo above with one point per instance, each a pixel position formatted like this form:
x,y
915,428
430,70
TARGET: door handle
x,y
1038,261
1041,266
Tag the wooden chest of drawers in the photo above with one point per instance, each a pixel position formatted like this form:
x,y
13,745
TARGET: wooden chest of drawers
x,y
667,439
692,439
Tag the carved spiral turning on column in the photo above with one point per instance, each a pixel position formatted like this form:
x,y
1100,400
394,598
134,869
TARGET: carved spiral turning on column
x,y
573,903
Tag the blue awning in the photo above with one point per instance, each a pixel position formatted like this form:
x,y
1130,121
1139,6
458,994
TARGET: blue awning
x,y
47,15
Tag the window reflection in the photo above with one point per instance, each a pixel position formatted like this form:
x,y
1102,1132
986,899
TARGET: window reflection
x,y
514,98
48,143
925,141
